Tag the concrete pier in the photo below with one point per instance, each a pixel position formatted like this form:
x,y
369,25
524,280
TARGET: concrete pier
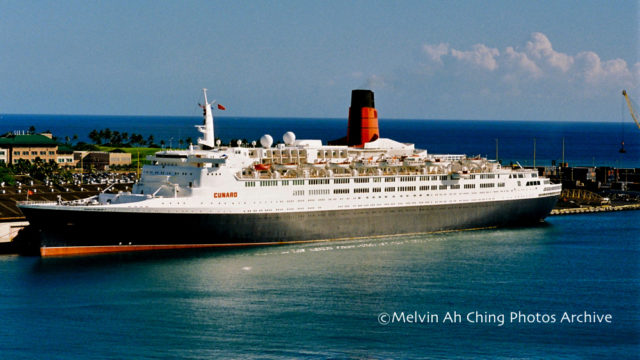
x,y
594,209
9,230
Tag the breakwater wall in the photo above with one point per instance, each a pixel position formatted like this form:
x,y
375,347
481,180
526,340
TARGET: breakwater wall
x,y
594,209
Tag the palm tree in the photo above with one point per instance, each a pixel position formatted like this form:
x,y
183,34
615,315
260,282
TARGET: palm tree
x,y
116,138
107,135
137,139
95,136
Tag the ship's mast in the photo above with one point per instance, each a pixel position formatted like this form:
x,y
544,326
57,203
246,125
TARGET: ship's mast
x,y
207,128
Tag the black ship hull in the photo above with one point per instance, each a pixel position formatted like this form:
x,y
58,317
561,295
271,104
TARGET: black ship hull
x,y
68,231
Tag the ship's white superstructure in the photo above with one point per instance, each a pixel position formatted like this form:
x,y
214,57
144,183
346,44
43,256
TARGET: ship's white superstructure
x,y
307,178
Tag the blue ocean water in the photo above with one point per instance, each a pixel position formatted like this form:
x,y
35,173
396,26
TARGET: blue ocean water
x,y
325,300
585,143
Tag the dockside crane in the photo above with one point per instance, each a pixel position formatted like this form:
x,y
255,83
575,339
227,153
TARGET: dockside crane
x,y
633,115
631,110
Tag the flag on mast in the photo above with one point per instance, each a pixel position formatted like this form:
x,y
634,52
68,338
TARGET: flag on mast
x,y
220,107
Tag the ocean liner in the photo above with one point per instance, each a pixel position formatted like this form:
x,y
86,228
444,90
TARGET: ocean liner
x,y
296,191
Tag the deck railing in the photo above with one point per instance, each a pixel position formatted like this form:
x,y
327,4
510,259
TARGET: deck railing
x,y
36,202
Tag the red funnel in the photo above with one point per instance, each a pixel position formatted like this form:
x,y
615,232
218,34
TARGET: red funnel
x,y
363,120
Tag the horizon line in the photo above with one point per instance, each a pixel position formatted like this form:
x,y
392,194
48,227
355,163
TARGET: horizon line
x,y
312,118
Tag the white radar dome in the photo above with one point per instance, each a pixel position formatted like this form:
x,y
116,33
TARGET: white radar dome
x,y
266,141
289,138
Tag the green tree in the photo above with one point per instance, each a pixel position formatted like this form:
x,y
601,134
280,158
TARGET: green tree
x,y
6,175
82,146
137,139
107,135
21,167
95,136
116,138
101,135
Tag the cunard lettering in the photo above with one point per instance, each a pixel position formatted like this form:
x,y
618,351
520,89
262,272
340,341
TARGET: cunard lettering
x,y
219,195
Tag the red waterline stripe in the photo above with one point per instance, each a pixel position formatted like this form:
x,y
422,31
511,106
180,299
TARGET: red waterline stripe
x,y
85,250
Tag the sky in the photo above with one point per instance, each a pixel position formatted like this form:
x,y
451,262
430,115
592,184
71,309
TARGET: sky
x,y
485,60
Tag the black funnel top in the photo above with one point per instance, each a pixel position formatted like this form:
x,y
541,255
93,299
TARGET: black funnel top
x,y
362,98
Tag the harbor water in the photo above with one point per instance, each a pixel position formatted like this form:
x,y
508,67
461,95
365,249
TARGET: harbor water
x,y
329,300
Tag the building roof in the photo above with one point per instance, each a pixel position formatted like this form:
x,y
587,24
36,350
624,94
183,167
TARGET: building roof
x,y
65,149
27,140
